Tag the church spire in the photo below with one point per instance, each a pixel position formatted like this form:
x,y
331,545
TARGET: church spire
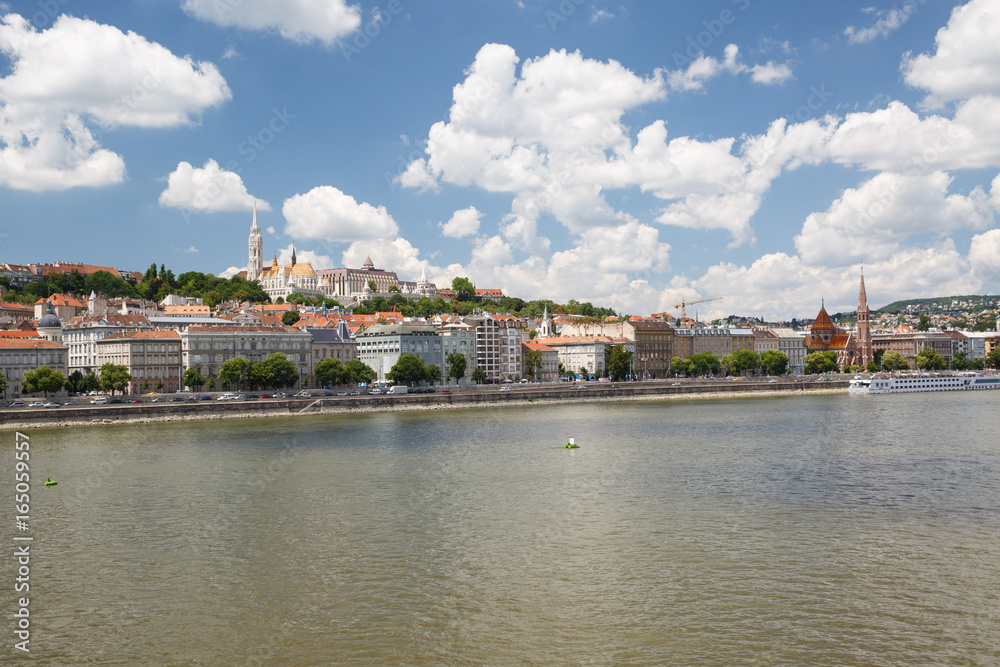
x,y
293,254
255,266
862,297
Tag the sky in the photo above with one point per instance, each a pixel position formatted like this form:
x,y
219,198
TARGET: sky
x,y
629,154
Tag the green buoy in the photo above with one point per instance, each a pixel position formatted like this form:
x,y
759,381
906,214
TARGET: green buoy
x,y
50,482
571,444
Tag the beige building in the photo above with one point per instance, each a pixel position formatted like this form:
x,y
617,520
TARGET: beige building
x,y
549,370
461,338
208,347
81,335
793,344
333,343
22,354
582,352
719,340
151,357
498,345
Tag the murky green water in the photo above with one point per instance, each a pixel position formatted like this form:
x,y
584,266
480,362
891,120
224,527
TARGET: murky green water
x,y
824,530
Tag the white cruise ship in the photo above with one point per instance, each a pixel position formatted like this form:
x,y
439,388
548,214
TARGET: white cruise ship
x,y
897,385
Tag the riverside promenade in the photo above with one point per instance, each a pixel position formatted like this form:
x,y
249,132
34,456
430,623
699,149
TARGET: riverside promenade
x,y
444,397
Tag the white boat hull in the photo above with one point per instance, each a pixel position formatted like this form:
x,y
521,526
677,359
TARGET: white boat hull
x,y
903,385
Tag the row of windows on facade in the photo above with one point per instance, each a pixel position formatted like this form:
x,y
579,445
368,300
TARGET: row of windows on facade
x,y
246,345
33,359
219,358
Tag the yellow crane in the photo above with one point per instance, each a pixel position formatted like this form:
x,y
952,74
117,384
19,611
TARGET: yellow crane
x,y
684,303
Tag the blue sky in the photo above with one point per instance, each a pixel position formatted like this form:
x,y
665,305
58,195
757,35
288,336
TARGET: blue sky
x,y
626,154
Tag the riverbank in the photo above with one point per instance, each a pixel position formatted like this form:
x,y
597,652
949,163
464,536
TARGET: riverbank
x,y
210,411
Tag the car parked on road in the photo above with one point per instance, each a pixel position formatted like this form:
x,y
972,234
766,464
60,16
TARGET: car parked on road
x,y
100,400
375,392
341,393
303,394
281,394
191,399
506,387
51,404
16,404
136,400
36,404
115,400
355,393
176,399
74,402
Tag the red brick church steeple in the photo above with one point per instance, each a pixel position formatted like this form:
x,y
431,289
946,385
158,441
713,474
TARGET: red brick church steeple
x,y
864,352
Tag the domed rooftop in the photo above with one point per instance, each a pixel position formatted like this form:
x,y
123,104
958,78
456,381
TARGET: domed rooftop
x,y
49,319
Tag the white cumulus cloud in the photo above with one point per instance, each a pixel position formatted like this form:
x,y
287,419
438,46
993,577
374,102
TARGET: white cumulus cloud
x,y
871,222
77,79
303,21
966,61
209,188
462,223
327,213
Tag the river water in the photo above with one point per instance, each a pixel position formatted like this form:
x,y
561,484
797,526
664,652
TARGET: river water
x,y
806,530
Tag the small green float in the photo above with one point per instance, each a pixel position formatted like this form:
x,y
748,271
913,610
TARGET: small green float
x,y
571,444
50,482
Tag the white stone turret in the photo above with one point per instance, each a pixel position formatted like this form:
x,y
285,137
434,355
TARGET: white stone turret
x,y
255,266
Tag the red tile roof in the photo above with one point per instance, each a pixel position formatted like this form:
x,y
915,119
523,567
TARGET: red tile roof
x,y
28,343
17,333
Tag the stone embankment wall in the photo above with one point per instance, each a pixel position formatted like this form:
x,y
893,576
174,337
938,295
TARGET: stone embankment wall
x,y
104,414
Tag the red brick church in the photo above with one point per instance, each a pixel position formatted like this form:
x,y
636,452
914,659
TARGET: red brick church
x,y
853,349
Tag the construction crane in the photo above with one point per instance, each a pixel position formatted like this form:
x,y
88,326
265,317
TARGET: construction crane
x,y
684,303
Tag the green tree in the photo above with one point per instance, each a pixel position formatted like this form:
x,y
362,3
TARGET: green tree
x,y
894,361
959,362
993,358
680,366
924,323
3,383
929,360
409,369
145,386
193,378
463,289
159,385
456,363
235,372
619,362
276,371
330,372
296,297
211,384
705,363
88,383
102,282
821,362
774,362
478,375
358,372
73,381
114,377
290,317
433,373
744,360
532,364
